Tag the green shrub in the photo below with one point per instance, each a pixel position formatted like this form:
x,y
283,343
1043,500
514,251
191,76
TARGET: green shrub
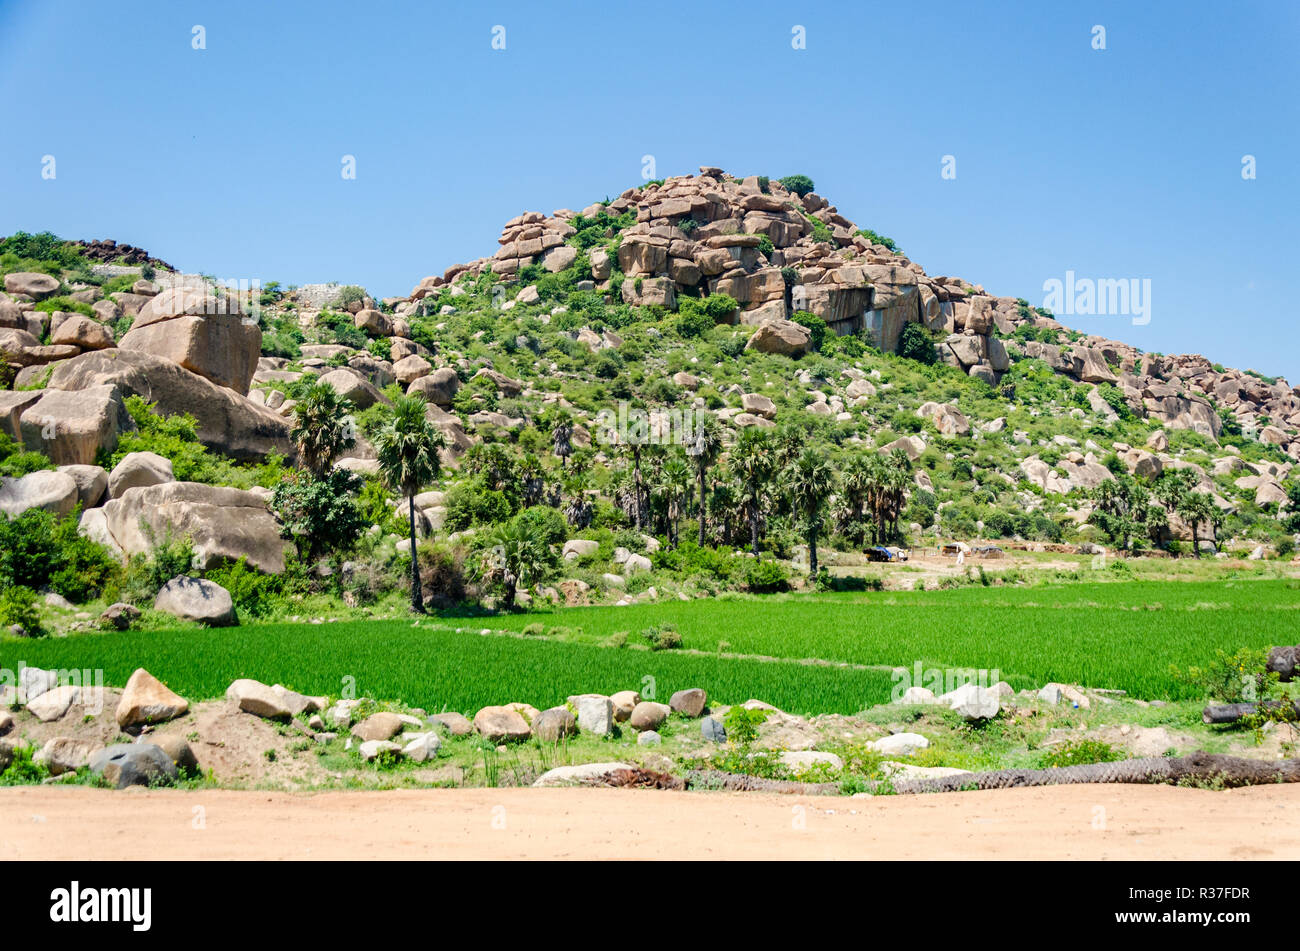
x,y
662,637
742,724
15,461
816,327
878,239
1080,753
767,576
799,184
18,605
320,515
39,549
914,343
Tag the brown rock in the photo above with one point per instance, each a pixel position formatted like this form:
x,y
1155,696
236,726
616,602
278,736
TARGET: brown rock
x,y
147,700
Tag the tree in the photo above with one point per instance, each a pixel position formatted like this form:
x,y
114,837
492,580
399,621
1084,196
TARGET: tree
x,y
754,460
1171,486
516,556
1121,511
321,429
799,184
319,513
1197,508
675,487
704,448
810,481
561,439
407,445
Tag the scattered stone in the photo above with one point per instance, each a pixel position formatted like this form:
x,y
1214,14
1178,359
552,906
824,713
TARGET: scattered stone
x,y
422,746
690,702
973,702
146,699
712,730
576,775
371,749
900,744
178,751
53,704
66,755
133,764
624,702
913,695
648,715
800,760
648,738
378,726
501,724
457,724
257,698
595,713
139,469
554,724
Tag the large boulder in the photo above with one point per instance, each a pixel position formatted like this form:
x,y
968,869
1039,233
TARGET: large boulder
x,y
353,387
781,337
227,422
255,697
13,403
224,524
34,285
53,491
71,428
207,335
82,332
147,700
92,483
65,754
196,599
439,387
138,469
409,369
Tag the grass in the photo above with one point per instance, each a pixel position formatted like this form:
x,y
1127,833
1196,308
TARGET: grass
x,y
439,669
1119,635
1116,634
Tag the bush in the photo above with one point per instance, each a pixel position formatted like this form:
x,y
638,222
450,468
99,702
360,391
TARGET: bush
x,y
442,575
816,327
15,461
320,515
662,637
766,577
39,549
878,239
915,344
18,606
799,184
253,592
1080,753
544,523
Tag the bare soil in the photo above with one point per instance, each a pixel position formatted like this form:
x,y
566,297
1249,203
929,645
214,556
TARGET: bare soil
x,y
1066,822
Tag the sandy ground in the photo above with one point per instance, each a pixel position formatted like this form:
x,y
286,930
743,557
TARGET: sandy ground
x,y
1067,822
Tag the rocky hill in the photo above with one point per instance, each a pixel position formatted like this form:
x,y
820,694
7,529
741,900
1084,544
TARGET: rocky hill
x,y
750,301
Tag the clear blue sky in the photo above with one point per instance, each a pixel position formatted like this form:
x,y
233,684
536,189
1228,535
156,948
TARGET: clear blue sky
x,y
1122,163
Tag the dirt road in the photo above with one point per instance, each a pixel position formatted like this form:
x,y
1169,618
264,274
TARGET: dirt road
x,y
1066,822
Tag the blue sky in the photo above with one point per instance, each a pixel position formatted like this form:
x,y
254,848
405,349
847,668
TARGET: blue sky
x,y
1116,163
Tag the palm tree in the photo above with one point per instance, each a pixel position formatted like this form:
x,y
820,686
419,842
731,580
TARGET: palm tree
x,y
562,438
675,486
516,557
321,428
1171,486
1197,508
407,445
810,480
579,512
704,448
754,460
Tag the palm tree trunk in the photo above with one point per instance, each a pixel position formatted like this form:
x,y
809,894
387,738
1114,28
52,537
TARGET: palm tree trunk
x,y
701,541
417,597
1196,545
636,469
753,524
812,549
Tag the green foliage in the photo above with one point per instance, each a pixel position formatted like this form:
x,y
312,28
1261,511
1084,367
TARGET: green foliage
x,y
1239,677
1080,752
282,336
18,605
742,724
65,304
799,184
319,513
23,769
662,637
349,295
767,576
816,327
37,548
15,461
696,317
339,328
878,239
914,343
254,593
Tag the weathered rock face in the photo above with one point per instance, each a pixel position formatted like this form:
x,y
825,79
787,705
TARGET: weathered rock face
x,y
439,387
501,724
196,599
351,386
71,428
53,491
133,764
227,422
224,524
206,334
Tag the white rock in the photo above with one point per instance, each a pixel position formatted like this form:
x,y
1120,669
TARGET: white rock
x,y
805,759
973,701
900,744
574,775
